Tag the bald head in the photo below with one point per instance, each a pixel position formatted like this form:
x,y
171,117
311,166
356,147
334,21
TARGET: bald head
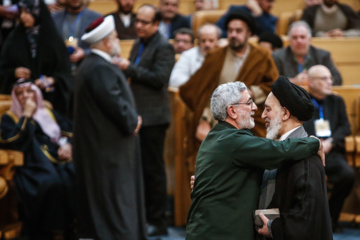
x,y
209,35
320,81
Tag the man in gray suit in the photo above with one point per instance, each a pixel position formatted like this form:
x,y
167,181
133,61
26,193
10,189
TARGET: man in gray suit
x,y
294,60
304,211
151,61
71,23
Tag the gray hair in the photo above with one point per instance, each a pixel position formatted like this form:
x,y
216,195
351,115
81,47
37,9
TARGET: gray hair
x,y
217,29
298,24
225,95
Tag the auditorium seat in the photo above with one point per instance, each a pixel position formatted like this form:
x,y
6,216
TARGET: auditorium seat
x,y
202,17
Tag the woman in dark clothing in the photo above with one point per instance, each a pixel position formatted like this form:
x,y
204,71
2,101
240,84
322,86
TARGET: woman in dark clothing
x,y
45,182
34,50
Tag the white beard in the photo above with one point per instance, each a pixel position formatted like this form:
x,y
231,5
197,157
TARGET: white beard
x,y
272,131
115,50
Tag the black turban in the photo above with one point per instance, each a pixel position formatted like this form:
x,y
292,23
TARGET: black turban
x,y
243,16
296,99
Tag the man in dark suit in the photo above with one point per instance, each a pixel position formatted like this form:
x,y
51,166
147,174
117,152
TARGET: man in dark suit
x,y
294,60
106,149
151,60
171,20
125,19
304,211
71,23
331,113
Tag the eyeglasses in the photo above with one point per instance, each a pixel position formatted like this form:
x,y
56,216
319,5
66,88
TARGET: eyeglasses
x,y
250,102
323,78
181,40
143,22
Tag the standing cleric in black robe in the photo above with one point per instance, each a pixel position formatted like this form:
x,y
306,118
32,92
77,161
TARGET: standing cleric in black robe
x,y
300,188
106,148
45,182
34,50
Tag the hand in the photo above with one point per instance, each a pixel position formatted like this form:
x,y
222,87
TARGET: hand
x,y
301,79
202,130
45,82
264,230
29,108
77,55
192,181
335,33
122,63
320,153
65,152
254,7
22,72
137,129
327,143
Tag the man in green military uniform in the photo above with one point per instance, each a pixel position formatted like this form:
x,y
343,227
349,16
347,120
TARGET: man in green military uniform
x,y
229,167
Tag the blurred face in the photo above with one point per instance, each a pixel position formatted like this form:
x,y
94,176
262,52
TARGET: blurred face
x,y
329,3
320,83
266,5
75,4
27,19
125,6
312,2
272,117
208,39
245,109
169,8
144,24
238,35
25,93
182,42
113,44
203,5
299,41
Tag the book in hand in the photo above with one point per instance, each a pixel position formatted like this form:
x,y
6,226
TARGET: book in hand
x,y
269,213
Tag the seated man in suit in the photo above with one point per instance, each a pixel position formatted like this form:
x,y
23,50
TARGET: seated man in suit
x,y
171,20
45,181
330,123
294,60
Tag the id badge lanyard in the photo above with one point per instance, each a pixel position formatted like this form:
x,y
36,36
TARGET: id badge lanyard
x,y
322,126
73,26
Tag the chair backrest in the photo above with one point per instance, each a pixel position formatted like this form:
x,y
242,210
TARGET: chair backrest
x,y
286,19
202,17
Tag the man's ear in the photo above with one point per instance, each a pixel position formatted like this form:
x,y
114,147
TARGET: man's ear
x,y
286,114
231,112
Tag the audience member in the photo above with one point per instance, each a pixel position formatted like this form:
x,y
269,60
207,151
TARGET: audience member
x,y
304,211
35,50
125,19
71,23
270,41
260,9
330,123
332,19
294,60
106,150
184,40
9,13
191,60
229,167
151,60
239,61
45,182
171,20
202,5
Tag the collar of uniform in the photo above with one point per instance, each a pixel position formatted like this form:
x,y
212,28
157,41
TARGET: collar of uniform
x,y
102,54
228,125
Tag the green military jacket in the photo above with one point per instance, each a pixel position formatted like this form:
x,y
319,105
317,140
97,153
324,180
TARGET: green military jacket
x,y
229,169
